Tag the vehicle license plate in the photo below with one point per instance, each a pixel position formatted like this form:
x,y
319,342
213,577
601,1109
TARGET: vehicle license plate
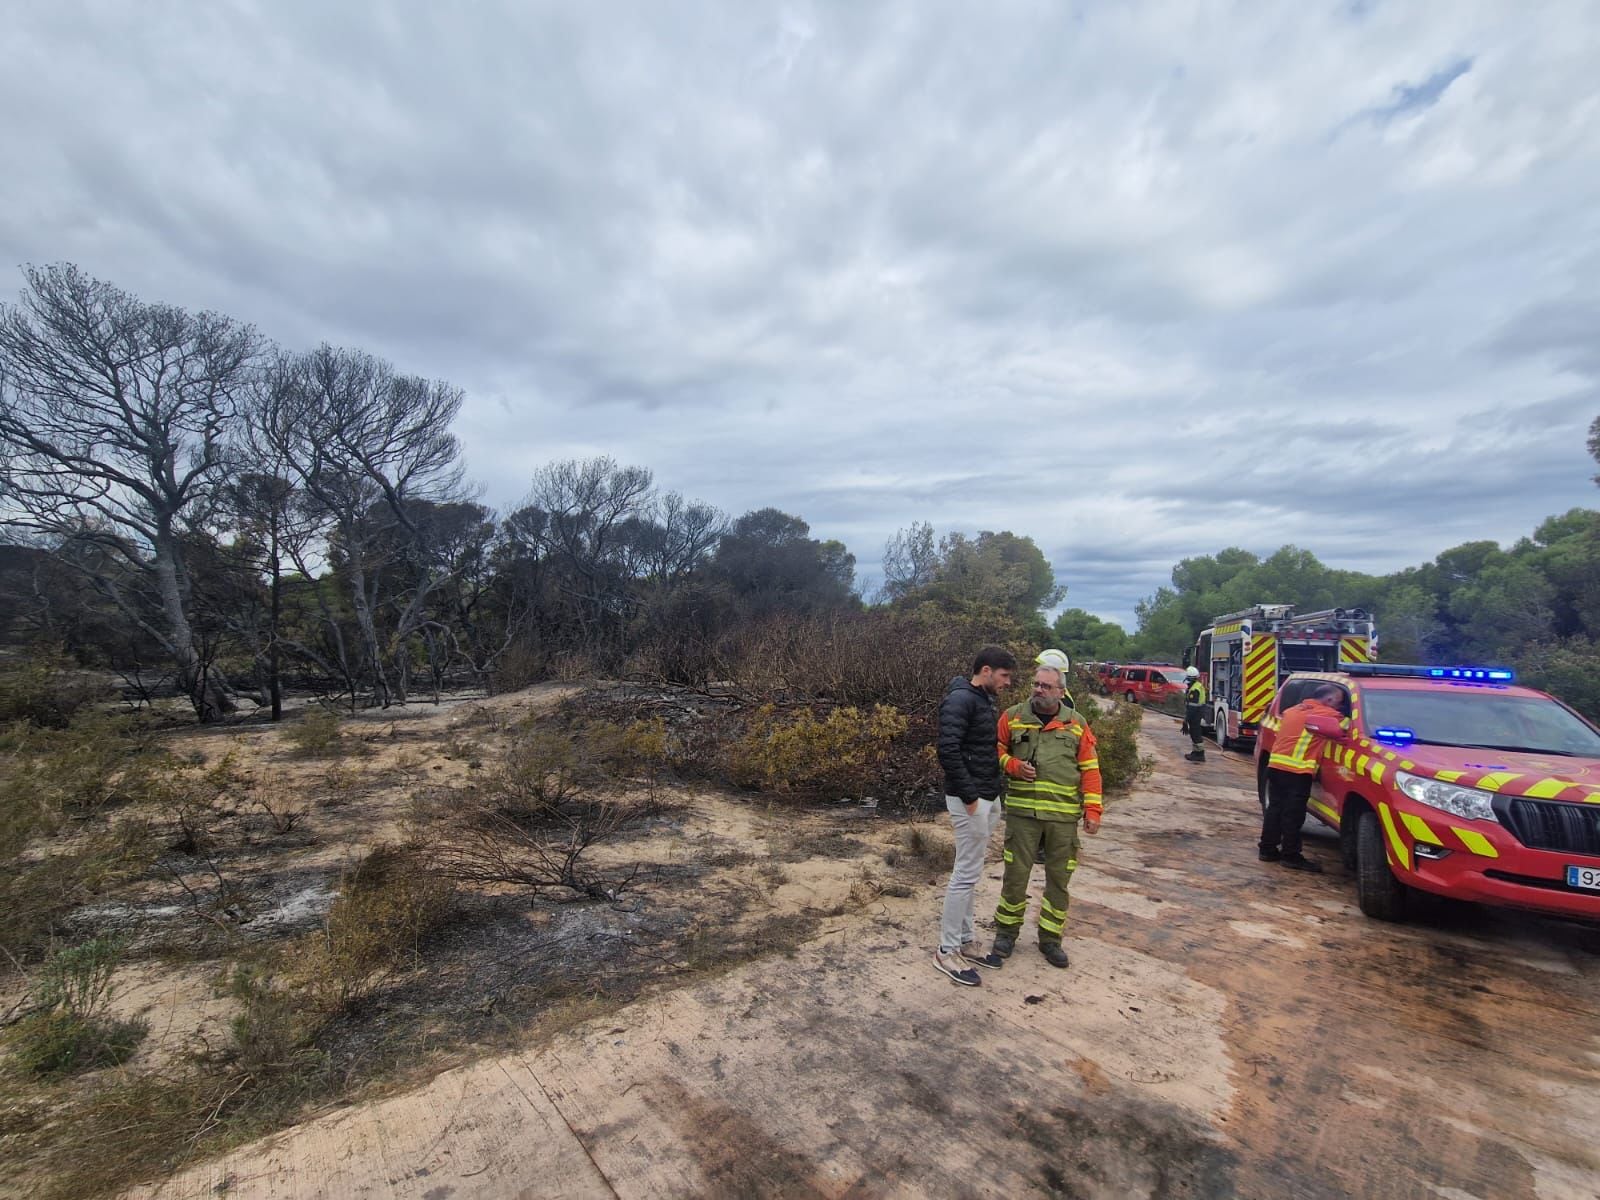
x,y
1584,877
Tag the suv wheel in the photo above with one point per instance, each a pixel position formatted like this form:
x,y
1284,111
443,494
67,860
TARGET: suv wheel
x,y
1130,697
1378,892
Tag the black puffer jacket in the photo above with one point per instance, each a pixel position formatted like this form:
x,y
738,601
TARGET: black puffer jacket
x,y
968,749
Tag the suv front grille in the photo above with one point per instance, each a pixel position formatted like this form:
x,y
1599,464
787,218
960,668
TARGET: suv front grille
x,y
1552,824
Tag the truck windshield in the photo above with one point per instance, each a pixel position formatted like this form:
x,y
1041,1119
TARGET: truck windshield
x,y
1474,718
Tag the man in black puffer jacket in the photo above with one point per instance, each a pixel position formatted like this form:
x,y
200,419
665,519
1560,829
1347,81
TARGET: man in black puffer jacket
x,y
970,756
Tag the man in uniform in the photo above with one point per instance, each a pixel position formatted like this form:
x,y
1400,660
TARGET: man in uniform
x,y
1297,748
1194,714
1047,751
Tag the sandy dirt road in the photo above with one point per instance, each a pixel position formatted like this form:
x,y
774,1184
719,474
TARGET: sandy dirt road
x,y
1226,1028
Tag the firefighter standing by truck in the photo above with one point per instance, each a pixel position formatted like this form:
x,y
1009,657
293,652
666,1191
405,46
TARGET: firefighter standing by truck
x,y
1194,714
1302,733
1048,754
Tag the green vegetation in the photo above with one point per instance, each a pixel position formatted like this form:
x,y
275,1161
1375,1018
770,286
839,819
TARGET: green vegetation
x,y
1535,606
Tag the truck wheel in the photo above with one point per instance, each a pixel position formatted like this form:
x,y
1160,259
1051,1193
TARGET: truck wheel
x,y
1221,725
1378,892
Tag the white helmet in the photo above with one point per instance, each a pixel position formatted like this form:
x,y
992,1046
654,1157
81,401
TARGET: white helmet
x,y
1193,672
1056,660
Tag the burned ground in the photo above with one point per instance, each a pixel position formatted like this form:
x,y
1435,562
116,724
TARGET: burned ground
x,y
752,1019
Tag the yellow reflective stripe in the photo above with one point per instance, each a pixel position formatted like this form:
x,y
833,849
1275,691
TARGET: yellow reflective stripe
x,y
1012,910
1072,865
1030,786
1361,764
1447,776
1091,798
1008,856
1496,780
1476,842
1046,906
1545,789
1049,806
1325,810
1376,772
1299,766
1400,851
1089,764
1420,829
1407,765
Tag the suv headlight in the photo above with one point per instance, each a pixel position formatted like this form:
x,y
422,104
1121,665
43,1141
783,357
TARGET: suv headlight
x,y
1463,802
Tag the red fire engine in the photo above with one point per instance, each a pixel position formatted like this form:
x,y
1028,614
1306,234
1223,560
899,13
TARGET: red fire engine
x,y
1243,657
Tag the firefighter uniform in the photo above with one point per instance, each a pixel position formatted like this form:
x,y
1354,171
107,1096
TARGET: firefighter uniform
x,y
1042,814
1291,770
1194,717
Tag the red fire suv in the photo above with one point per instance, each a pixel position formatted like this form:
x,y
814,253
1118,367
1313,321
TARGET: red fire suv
x,y
1146,683
1456,781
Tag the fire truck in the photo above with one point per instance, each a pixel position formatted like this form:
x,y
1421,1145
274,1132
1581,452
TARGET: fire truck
x,y
1243,657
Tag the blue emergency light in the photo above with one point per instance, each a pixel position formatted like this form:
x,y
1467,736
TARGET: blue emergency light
x,y
1395,737
1412,671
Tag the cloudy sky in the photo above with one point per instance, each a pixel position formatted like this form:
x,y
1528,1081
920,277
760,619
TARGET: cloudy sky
x,y
1140,281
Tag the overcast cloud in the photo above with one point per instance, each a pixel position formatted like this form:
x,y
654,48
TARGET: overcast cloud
x,y
1138,281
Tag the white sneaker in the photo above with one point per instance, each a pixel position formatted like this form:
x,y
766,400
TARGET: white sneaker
x,y
954,965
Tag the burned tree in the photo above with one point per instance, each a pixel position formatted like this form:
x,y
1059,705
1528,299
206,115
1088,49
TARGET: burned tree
x,y
367,445
113,421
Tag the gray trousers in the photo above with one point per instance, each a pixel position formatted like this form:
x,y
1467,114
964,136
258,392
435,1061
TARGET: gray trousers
x,y
974,831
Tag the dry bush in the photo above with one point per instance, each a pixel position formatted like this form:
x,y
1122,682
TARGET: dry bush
x,y
716,947
133,1125
530,820
387,904
898,657
340,785
523,662
1116,735
479,843
316,734
927,845
42,688
836,753
36,895
281,809
95,762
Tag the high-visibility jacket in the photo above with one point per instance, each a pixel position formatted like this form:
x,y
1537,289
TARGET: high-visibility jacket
x,y
1061,749
1194,704
1295,748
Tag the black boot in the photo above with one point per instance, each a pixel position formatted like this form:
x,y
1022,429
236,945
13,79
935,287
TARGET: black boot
x,y
1004,944
1195,756
1054,953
